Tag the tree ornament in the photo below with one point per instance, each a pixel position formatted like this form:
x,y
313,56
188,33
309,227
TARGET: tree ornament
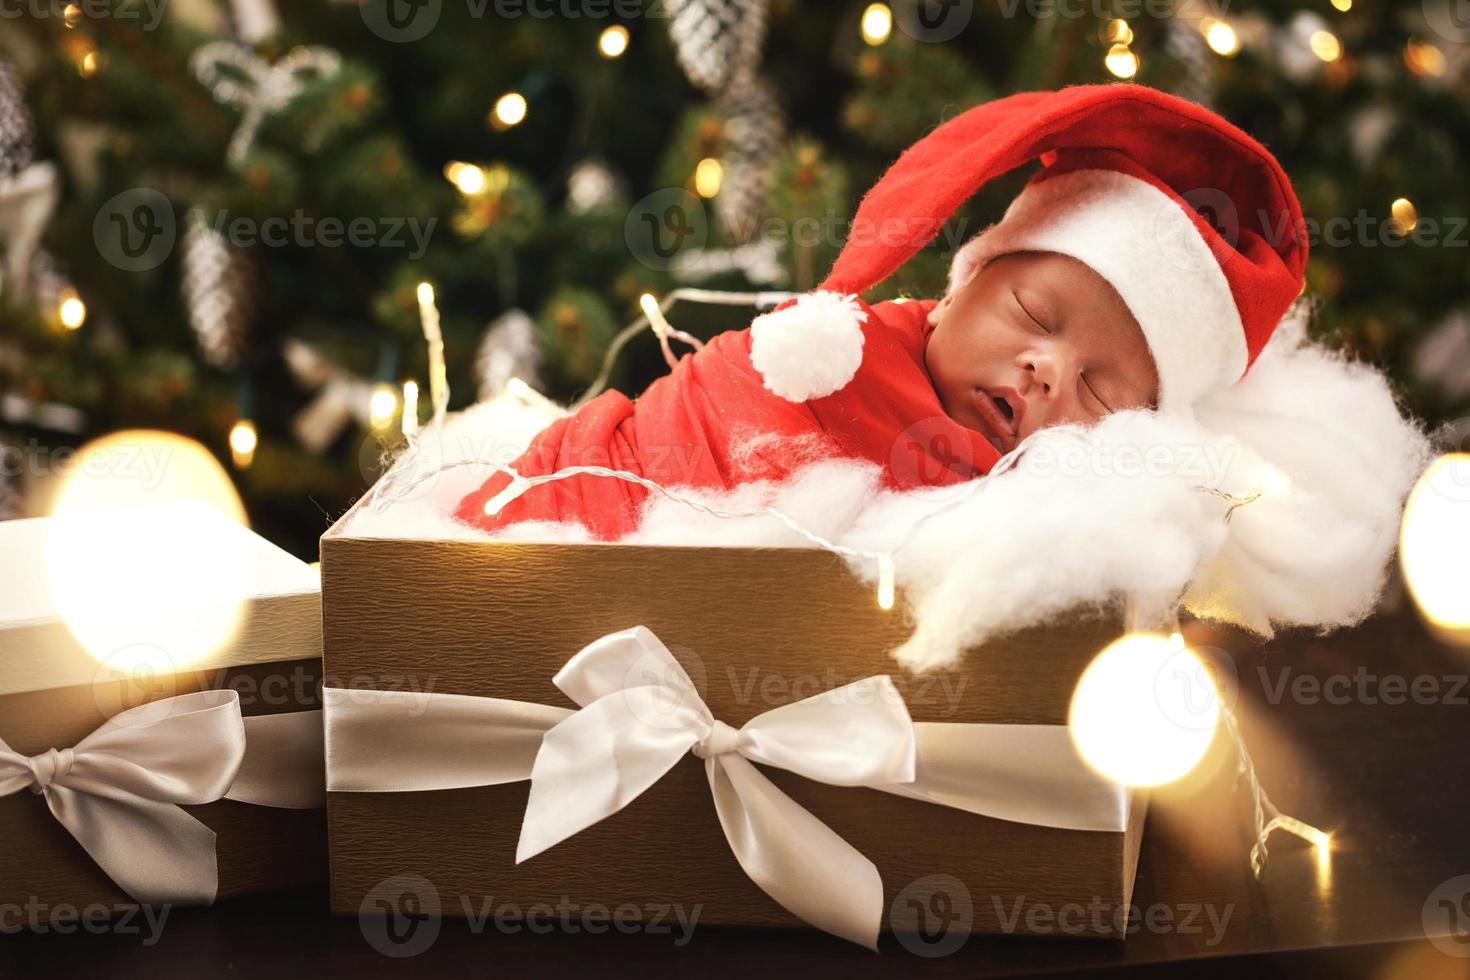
x,y
758,261
236,76
255,20
1187,45
16,137
717,42
342,396
27,201
1293,46
511,348
755,129
29,191
219,288
592,185
1442,356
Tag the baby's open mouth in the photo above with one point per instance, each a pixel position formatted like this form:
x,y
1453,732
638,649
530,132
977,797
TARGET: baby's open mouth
x,y
998,416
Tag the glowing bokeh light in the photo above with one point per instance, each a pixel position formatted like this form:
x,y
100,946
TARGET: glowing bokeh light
x,y
613,41
1434,542
510,110
709,175
145,550
1144,710
877,23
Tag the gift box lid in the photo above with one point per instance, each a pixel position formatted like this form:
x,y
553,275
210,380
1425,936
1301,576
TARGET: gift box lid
x,y
272,599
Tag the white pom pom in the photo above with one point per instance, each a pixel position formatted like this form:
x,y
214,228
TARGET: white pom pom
x,y
811,348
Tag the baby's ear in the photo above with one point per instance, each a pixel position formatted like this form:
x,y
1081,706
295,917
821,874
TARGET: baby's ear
x,y
937,310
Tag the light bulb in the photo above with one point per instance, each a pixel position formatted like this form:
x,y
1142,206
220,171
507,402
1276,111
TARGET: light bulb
x,y
877,23
613,41
510,110
243,440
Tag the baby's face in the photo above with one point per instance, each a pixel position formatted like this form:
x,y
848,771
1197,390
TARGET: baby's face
x,y
1036,339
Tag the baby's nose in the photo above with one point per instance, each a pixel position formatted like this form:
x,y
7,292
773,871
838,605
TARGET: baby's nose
x,y
1043,371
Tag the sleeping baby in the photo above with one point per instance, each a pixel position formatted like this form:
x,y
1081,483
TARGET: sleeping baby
x,y
1143,266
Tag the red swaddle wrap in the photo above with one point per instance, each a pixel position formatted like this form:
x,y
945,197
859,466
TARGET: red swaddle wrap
x,y
711,424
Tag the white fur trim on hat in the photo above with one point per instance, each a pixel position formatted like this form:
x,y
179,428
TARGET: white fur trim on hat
x,y
1142,242
811,348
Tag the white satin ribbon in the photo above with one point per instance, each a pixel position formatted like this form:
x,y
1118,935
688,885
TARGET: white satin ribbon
x,y
120,790
640,713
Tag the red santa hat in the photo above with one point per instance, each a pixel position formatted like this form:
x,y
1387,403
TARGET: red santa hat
x,y
1192,221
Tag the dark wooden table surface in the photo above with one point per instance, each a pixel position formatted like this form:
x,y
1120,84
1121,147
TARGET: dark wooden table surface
x,y
1364,733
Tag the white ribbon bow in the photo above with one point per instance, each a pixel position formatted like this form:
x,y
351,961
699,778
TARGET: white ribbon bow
x,y
119,791
641,713
239,77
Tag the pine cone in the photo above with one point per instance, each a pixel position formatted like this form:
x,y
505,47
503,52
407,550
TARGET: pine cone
x,y
717,41
219,290
755,128
15,125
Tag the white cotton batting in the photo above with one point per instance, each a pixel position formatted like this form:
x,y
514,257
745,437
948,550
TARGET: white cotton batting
x,y
1086,516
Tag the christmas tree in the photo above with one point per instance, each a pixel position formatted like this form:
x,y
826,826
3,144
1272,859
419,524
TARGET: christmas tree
x,y
216,216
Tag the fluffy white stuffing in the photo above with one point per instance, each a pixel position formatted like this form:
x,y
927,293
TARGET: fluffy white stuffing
x,y
1316,551
1087,515
1081,516
420,490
